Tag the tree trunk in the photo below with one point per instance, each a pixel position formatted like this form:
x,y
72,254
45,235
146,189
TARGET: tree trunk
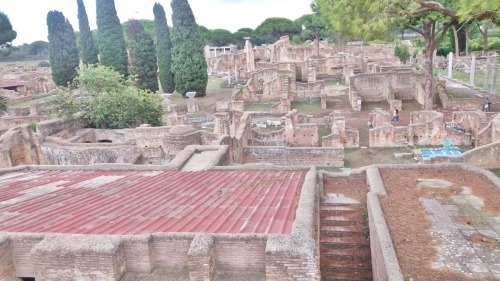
x,y
485,39
455,35
429,71
467,39
317,46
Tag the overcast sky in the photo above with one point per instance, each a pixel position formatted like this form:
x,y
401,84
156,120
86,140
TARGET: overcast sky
x,y
28,17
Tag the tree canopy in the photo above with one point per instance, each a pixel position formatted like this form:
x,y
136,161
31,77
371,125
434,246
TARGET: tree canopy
x,y
273,28
88,48
112,48
188,59
163,49
7,34
63,51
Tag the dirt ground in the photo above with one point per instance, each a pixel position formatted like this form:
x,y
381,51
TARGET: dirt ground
x,y
409,227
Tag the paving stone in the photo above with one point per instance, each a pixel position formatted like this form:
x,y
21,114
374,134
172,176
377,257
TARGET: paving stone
x,y
494,269
477,267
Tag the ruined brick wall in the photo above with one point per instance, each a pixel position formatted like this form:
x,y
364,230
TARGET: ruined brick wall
x,y
381,86
240,254
296,156
21,246
282,268
87,153
170,251
86,258
302,135
7,272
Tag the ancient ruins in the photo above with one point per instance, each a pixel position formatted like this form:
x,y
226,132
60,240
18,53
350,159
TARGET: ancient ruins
x,y
227,191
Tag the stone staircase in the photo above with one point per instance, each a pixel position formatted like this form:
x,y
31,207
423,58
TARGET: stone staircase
x,y
344,246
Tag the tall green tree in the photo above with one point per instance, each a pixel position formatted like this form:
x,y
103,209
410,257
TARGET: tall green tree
x,y
271,29
89,50
163,50
112,46
371,19
221,37
62,49
7,34
143,57
188,60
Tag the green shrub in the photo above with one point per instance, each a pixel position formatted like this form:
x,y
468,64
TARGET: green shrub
x,y
43,64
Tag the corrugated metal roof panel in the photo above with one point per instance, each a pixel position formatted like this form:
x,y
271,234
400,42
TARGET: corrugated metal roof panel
x,y
139,202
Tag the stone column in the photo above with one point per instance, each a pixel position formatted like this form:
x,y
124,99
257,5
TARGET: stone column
x,y
450,65
495,74
486,75
472,71
221,124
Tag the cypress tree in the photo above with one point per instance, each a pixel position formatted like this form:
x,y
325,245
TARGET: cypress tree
x,y
110,37
89,49
62,49
143,57
188,60
163,49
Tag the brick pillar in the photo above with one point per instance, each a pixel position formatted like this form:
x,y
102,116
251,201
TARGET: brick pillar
x,y
201,258
7,271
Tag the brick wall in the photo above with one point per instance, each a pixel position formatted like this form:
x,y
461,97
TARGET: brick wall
x,y
21,247
170,251
296,156
244,254
7,272
79,257
283,268
138,254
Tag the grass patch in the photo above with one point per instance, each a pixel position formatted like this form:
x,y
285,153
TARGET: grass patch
x,y
332,82
465,77
496,172
369,106
307,108
258,107
323,132
359,157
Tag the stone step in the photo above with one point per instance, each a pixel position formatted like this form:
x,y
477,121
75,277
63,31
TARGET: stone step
x,y
331,243
346,254
337,221
361,269
341,230
335,210
327,276
344,265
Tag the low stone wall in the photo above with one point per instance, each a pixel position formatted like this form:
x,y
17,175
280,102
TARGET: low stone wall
x,y
88,153
296,156
10,122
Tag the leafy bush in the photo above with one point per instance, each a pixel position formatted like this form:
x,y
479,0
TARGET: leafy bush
x,y
108,101
3,105
43,64
401,51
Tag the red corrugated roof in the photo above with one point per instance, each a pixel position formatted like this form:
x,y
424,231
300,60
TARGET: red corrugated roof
x,y
139,202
